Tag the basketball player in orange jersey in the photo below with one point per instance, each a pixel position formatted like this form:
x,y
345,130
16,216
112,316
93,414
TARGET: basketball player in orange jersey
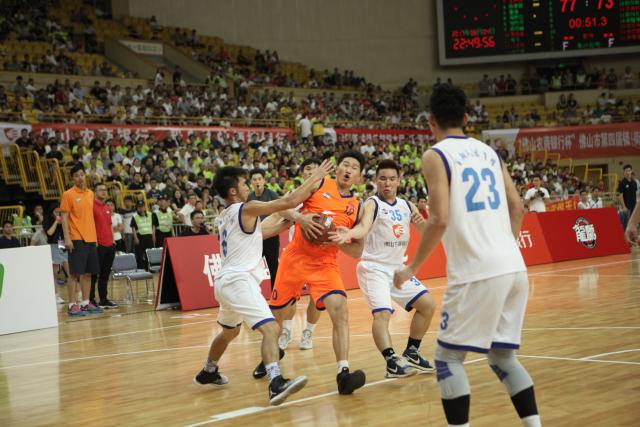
x,y
317,266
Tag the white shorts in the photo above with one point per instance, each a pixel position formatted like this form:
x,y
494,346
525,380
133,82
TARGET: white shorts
x,y
376,283
485,314
241,300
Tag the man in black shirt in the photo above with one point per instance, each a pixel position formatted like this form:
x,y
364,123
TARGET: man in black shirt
x,y
271,246
197,225
627,189
24,141
7,241
54,153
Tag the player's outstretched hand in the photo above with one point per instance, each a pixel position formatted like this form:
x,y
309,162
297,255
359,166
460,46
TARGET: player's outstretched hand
x,y
418,219
631,235
401,275
310,229
341,236
322,171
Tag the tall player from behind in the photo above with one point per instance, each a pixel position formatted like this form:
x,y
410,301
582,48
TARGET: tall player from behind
x,y
316,265
386,224
237,285
476,210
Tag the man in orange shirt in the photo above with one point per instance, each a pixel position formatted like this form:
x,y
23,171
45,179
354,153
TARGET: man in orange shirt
x,y
317,265
80,240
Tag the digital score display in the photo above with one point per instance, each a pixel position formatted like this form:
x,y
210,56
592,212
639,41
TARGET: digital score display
x,y
472,31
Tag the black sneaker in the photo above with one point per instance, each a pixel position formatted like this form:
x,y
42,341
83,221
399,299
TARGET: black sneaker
x,y
210,378
260,371
107,304
349,382
93,301
281,388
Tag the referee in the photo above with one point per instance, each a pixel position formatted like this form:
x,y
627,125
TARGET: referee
x,y
271,246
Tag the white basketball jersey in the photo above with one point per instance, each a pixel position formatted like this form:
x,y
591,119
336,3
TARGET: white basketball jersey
x,y
478,241
388,238
241,252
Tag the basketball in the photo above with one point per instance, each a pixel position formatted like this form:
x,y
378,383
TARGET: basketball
x,y
328,226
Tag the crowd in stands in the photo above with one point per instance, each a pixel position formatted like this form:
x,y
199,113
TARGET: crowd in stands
x,y
30,21
559,79
175,102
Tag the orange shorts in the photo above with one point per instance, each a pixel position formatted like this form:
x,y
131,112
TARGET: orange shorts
x,y
294,271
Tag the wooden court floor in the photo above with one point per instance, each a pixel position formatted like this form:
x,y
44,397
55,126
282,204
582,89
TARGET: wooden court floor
x,y
134,367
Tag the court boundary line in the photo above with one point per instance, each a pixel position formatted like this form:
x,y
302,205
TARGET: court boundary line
x,y
239,412
633,350
212,321
243,411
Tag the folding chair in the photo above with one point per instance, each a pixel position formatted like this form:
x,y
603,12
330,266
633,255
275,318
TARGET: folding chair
x,y
154,258
125,267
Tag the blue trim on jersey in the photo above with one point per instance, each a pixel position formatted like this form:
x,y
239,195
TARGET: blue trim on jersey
x,y
409,305
346,197
445,161
378,310
357,215
278,307
505,345
457,137
229,327
463,347
262,322
240,222
375,212
408,206
335,291
395,202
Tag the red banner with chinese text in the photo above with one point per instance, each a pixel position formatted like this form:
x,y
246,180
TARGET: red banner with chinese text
x,y
563,205
581,142
89,131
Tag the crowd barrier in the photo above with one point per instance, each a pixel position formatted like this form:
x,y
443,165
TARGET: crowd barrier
x,y
189,263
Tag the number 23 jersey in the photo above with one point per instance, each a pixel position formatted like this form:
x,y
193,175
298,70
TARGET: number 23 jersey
x,y
478,241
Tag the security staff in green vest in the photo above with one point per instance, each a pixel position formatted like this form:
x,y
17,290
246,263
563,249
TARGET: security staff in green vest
x,y
144,233
164,218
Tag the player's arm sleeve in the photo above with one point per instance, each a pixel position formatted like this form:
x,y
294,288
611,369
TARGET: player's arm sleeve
x,y
527,195
65,203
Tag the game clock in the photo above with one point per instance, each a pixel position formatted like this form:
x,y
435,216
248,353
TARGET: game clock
x,y
514,30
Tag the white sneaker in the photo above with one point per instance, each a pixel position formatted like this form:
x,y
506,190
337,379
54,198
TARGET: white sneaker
x,y
59,300
284,339
306,340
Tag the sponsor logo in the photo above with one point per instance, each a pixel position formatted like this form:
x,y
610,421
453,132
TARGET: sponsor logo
x,y
398,230
585,233
326,195
212,265
524,240
350,208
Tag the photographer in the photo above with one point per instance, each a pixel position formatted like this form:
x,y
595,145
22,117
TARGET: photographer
x,y
537,197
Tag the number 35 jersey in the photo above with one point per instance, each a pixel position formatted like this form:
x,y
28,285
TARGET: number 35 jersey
x,y
241,251
478,241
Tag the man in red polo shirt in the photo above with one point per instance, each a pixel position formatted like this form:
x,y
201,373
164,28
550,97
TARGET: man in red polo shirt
x,y
106,248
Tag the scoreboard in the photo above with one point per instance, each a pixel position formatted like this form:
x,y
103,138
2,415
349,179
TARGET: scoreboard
x,y
480,31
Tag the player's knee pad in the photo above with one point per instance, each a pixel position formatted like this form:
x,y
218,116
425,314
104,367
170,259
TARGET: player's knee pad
x,y
452,379
508,369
